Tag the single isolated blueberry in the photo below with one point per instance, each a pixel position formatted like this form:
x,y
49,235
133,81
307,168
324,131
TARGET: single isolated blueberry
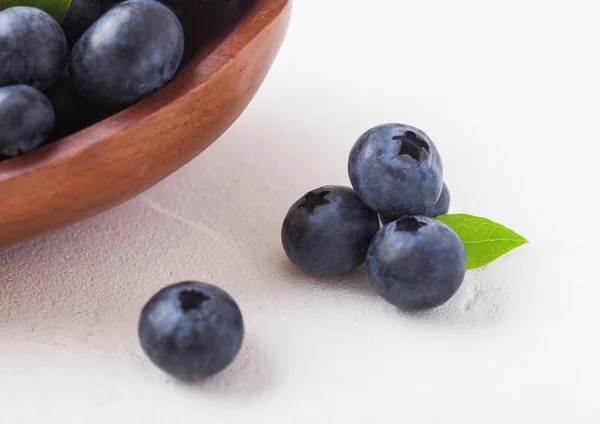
x,y
416,263
396,170
33,48
191,330
26,119
441,207
327,232
133,50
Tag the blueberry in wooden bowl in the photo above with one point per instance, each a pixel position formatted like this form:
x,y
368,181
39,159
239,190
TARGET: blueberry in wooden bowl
x,y
101,158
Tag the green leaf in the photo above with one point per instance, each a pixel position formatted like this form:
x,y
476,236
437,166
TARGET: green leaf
x,y
485,240
56,8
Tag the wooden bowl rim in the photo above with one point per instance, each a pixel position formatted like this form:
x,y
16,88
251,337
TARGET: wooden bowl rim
x,y
201,68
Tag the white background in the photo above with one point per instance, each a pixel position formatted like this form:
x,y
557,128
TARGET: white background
x,y
508,90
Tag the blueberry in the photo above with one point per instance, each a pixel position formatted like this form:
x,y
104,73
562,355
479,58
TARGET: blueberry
x,y
33,48
396,170
441,207
133,50
81,15
191,330
416,263
26,119
328,231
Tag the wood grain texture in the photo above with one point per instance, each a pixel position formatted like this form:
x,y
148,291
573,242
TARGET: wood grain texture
x,y
108,163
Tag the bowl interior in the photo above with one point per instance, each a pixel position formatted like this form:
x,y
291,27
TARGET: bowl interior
x,y
206,27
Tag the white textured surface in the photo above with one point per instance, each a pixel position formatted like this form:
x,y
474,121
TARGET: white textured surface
x,y
508,90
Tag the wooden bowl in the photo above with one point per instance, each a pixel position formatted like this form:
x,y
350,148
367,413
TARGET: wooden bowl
x,y
95,169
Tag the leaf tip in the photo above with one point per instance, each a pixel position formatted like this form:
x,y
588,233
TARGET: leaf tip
x,y
523,240
484,240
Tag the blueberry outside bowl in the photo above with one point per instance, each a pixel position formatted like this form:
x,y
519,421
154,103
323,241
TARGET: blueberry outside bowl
x,y
227,57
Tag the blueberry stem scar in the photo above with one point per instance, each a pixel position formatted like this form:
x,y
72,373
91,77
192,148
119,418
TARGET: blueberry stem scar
x,y
192,299
409,224
312,200
412,145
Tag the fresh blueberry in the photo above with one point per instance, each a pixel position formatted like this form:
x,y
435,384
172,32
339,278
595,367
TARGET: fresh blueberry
x,y
133,50
191,330
327,232
396,170
416,263
441,207
33,47
26,119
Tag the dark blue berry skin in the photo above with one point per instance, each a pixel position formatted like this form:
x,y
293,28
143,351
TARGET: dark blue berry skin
x,y
327,232
33,48
81,15
396,170
441,207
133,50
191,330
176,8
416,263
26,119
